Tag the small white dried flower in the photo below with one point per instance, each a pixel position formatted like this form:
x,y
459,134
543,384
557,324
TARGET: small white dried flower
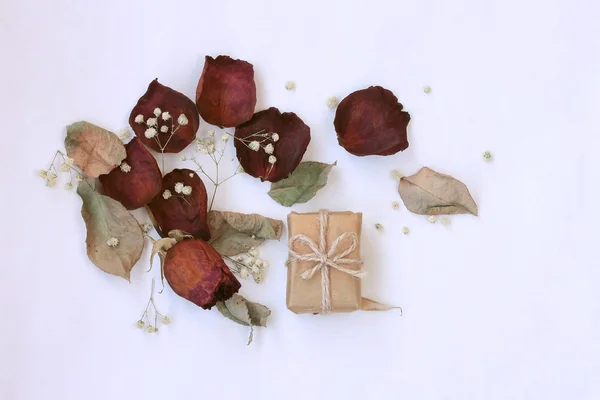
x,y
43,174
432,219
125,167
211,133
152,122
164,129
332,102
51,176
146,228
187,190
179,187
290,85
150,133
487,156
191,174
259,276
244,272
201,147
65,167
254,145
166,116
265,263
79,178
240,169
139,119
167,194
379,227
269,149
69,161
405,230
124,134
183,158
275,137
225,137
68,186
395,205
112,242
253,251
272,159
51,182
397,175
150,329
165,320
211,148
140,324
427,89
250,261
182,120
445,221
157,111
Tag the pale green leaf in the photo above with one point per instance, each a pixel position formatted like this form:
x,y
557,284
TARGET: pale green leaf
x,y
244,312
302,185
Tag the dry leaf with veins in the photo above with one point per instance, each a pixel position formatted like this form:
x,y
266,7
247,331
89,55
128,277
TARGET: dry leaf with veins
x,y
430,193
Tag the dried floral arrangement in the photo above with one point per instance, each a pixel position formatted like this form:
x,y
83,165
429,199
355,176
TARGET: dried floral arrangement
x,y
204,253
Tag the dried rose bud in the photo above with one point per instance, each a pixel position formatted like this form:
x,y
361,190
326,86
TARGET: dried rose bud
x,y
172,210
226,92
157,119
287,136
371,122
197,272
135,183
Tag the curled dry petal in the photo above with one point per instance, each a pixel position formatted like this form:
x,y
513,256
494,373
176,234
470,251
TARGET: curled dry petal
x,y
294,137
197,272
371,122
136,188
184,212
226,92
167,100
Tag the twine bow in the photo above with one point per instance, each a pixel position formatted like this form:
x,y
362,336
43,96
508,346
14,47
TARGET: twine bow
x,y
326,259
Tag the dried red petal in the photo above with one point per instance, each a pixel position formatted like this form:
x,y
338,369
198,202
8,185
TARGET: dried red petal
x,y
371,122
197,272
294,137
226,92
165,99
185,212
136,188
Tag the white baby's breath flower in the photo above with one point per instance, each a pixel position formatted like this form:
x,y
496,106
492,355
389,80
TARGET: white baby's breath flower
x,y
397,175
124,134
332,102
427,89
269,149
167,194
140,324
272,159
150,133
51,176
275,137
432,219
210,148
265,263
125,167
379,227
395,205
183,158
165,320
254,145
65,167
290,85
191,174
112,242
187,190
225,137
487,156
259,276
43,174
258,263
157,111
166,116
445,221
405,230
201,147
178,187
146,228
251,261
164,129
211,133
139,119
68,186
182,120
244,272
51,182
79,178
152,121
253,252
240,169
69,161
150,329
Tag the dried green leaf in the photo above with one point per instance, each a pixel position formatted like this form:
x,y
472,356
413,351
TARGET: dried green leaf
x,y
302,185
236,233
105,219
430,193
244,312
95,150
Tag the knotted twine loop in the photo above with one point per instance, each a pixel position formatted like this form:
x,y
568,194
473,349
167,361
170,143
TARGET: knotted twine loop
x,y
326,259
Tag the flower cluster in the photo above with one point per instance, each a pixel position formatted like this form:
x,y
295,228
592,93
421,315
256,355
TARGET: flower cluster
x,y
180,189
112,242
161,122
145,322
260,140
50,175
249,265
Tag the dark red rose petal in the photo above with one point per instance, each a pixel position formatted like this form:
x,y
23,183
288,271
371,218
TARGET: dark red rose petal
x,y
371,122
136,188
176,104
294,137
197,272
185,212
226,92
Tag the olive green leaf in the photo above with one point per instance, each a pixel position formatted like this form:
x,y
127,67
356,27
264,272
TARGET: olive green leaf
x,y
302,185
430,193
106,219
93,149
244,312
236,233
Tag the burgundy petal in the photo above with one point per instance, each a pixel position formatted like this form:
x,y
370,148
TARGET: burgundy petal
x,y
165,99
294,137
185,212
137,180
226,92
371,122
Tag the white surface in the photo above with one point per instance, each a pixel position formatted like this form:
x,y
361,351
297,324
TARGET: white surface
x,y
505,306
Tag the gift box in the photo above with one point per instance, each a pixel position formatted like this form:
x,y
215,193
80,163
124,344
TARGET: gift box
x,y
324,267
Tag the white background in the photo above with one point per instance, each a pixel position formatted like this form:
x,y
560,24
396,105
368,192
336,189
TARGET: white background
x,y
504,306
